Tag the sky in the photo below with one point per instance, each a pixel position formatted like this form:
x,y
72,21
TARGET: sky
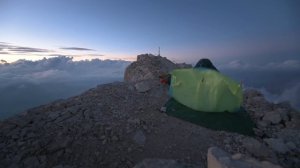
x,y
54,49
185,30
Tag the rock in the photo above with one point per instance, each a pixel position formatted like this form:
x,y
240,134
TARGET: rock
x,y
266,164
162,163
289,135
236,156
54,115
277,145
163,109
139,138
32,162
284,113
274,117
217,158
134,121
256,148
143,86
263,124
115,138
291,145
259,105
259,132
14,165
251,93
149,66
42,160
59,144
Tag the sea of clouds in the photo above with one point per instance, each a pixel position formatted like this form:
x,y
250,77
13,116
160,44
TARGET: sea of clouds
x,y
25,84
278,81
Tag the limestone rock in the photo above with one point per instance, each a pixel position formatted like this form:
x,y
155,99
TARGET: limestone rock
x,y
250,93
217,158
274,117
32,162
289,135
143,86
277,145
256,148
284,113
149,66
256,104
139,138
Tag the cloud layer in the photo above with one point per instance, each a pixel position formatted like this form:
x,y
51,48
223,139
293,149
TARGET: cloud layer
x,y
286,65
279,81
24,84
60,68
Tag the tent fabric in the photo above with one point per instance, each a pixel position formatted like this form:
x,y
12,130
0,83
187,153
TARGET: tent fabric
x,y
239,122
205,63
206,90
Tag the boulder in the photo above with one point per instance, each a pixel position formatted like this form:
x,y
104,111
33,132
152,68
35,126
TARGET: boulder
x,y
277,145
284,113
289,135
139,138
255,102
218,158
274,117
143,86
256,148
250,93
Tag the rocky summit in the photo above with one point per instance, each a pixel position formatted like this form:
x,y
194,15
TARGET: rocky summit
x,y
121,125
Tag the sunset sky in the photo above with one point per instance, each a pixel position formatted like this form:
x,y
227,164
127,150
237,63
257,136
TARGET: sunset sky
x,y
186,30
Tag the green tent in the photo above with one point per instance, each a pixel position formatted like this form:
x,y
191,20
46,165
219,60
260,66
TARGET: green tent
x,y
205,90
208,98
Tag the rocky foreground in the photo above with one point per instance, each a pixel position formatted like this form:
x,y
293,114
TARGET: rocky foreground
x,y
121,125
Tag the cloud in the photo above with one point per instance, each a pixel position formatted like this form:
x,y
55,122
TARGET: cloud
x,y
279,81
285,65
76,48
3,43
12,49
25,84
272,66
290,94
1,52
9,49
77,55
60,69
27,50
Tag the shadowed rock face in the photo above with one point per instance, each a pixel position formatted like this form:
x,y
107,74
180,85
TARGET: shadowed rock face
x,y
120,125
